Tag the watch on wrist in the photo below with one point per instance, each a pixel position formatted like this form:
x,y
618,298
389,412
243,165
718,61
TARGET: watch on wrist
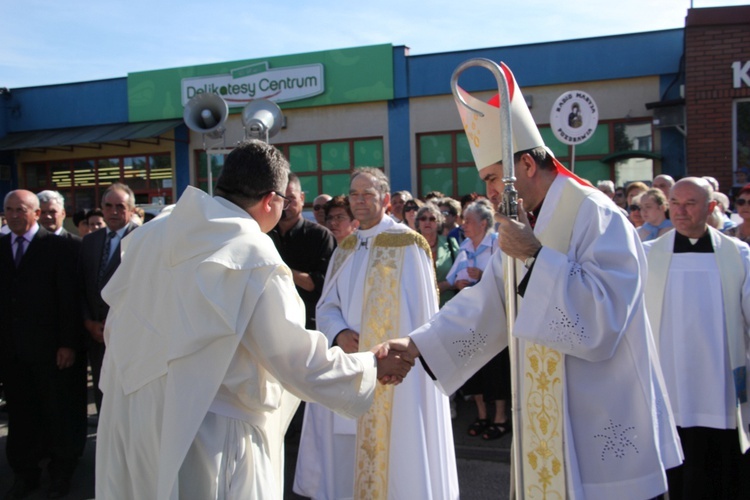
x,y
530,260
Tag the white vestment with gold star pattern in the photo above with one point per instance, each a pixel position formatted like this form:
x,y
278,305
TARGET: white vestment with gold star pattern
x,y
585,304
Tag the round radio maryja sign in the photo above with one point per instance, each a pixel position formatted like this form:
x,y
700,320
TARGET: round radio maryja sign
x,y
574,117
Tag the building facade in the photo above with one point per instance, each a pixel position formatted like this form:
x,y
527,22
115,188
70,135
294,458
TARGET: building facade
x,y
673,101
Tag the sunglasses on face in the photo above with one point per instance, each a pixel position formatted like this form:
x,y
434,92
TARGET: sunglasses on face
x,y
410,208
425,219
633,208
318,207
740,202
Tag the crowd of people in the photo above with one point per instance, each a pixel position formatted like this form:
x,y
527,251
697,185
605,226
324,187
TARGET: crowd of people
x,y
204,329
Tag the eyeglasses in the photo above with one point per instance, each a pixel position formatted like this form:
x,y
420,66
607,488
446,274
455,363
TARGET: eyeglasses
x,y
318,207
633,208
338,218
740,202
425,219
410,208
287,201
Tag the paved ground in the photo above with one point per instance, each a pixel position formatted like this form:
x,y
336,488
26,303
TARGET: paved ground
x,y
483,469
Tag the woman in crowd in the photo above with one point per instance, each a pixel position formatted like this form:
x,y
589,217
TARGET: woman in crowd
x,y
429,224
339,218
653,210
410,212
492,381
632,192
742,205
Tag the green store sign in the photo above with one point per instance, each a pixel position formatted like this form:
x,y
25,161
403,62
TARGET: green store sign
x,y
325,78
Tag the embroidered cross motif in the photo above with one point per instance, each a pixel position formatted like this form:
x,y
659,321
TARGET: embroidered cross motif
x,y
469,347
568,331
616,440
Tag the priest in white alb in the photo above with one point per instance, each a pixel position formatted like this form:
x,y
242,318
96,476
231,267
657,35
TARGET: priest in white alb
x,y
698,301
593,415
380,284
205,336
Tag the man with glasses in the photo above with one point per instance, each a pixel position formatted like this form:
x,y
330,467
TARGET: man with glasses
x,y
380,283
205,333
319,205
305,247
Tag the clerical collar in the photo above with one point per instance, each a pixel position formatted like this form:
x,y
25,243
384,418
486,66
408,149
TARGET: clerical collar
x,y
683,244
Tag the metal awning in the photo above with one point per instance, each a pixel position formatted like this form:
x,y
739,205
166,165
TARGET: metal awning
x,y
88,137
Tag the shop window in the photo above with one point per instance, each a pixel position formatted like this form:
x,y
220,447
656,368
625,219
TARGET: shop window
x,y
445,164
742,142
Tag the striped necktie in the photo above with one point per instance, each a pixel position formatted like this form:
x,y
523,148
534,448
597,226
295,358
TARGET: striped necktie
x,y
105,254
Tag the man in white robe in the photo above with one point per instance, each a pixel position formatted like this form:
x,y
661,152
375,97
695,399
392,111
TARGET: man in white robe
x,y
698,301
205,333
380,282
592,413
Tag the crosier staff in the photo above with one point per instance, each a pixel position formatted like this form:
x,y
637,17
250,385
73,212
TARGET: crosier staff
x,y
509,208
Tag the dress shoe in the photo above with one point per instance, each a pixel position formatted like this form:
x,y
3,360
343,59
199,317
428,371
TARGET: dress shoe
x,y
21,488
59,488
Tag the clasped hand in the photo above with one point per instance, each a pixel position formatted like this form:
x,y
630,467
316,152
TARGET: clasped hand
x,y
394,361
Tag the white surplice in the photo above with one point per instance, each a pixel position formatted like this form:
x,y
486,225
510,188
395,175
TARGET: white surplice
x,y
205,332
619,435
692,336
422,458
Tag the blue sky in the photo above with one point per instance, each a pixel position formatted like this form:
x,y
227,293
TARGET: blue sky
x,y
48,41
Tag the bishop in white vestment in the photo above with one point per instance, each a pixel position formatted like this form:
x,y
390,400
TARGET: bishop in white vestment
x,y
380,280
593,414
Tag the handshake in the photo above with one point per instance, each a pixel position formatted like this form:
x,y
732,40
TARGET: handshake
x,y
395,358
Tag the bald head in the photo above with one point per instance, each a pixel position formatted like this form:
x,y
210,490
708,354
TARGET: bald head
x,y
690,205
21,211
663,182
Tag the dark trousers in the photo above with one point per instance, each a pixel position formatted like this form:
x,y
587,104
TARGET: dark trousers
x,y
96,357
714,468
46,417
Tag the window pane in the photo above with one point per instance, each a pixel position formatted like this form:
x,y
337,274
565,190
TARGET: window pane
x,y
633,137
633,169
336,184
469,182
108,171
160,172
597,144
309,185
559,149
134,172
435,149
436,179
60,173
463,151
335,156
593,171
85,198
742,141
217,163
84,173
36,177
303,158
368,153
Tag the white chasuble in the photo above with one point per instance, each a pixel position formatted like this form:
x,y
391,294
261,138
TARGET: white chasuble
x,y
380,283
586,303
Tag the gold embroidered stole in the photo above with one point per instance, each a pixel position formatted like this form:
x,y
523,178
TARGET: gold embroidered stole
x,y
380,320
543,407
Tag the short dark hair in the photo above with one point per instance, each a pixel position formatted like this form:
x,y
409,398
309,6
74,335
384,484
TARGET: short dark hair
x,y
339,201
93,213
252,170
540,155
79,217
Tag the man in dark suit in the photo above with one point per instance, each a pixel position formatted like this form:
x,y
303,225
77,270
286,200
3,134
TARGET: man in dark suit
x,y
52,216
97,262
39,341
